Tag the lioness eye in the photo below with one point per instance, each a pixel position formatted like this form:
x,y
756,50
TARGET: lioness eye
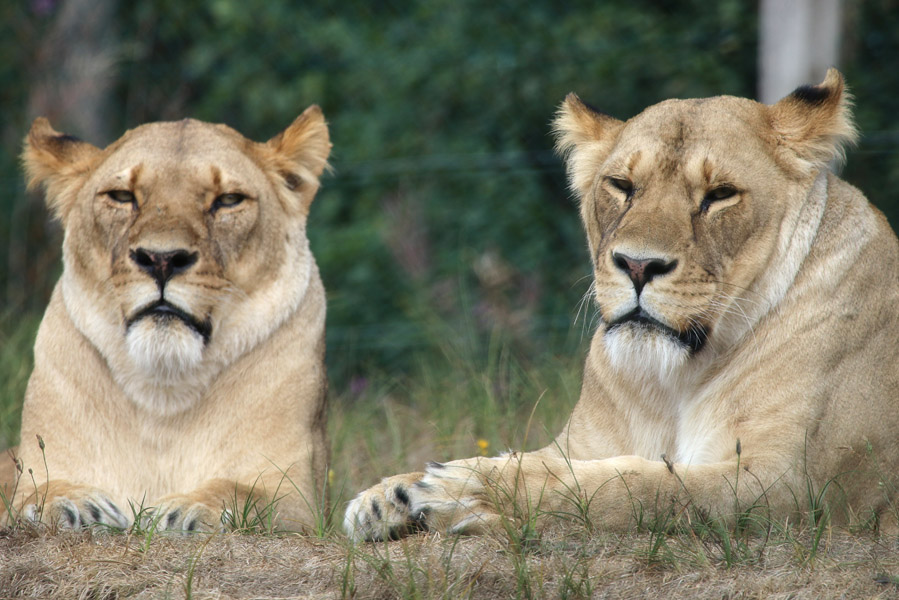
x,y
227,200
122,196
623,185
719,193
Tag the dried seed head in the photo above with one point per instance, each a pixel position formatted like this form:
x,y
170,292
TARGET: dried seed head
x,y
40,442
668,463
739,447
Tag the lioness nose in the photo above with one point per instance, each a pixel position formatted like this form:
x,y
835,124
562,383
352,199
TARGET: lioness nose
x,y
162,266
642,270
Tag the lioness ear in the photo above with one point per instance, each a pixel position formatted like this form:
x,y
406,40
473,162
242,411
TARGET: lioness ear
x,y
815,121
56,162
584,137
300,152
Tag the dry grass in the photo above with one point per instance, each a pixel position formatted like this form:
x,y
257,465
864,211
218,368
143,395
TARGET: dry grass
x,y
86,565
462,407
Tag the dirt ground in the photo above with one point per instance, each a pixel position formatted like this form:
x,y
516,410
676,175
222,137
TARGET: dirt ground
x,y
106,566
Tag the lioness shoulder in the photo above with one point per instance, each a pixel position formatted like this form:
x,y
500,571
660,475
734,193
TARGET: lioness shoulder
x,y
748,341
179,368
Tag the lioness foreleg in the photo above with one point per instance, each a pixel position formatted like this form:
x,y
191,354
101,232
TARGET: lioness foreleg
x,y
474,495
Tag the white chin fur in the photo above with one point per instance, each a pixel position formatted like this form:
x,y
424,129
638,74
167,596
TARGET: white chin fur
x,y
645,352
165,350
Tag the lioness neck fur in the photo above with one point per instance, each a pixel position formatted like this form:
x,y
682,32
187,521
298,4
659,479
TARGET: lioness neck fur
x,y
179,367
747,346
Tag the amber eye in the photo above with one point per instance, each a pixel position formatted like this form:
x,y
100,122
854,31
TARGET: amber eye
x,y
227,200
121,196
622,185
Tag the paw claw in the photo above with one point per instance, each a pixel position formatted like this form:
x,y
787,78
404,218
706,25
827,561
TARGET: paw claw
x,y
69,512
376,509
172,518
94,510
402,496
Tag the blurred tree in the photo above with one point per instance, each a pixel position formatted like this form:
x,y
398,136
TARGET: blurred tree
x,y
27,268
871,60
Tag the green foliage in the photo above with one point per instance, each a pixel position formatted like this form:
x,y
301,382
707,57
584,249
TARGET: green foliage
x,y
16,338
871,51
447,204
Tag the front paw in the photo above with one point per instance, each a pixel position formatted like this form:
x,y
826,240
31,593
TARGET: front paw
x,y
462,496
79,508
183,515
383,511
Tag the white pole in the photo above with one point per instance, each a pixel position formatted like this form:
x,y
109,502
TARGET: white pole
x,y
798,41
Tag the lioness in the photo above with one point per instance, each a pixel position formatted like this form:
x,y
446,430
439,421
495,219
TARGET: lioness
x,y
179,368
748,347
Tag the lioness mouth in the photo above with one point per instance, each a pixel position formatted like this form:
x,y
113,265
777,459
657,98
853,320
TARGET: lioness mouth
x,y
165,310
693,338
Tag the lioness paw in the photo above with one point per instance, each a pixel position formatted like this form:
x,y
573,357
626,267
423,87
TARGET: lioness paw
x,y
449,497
182,515
453,496
383,511
92,508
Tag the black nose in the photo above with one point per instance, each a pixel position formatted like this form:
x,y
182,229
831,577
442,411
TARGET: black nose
x,y
162,266
642,270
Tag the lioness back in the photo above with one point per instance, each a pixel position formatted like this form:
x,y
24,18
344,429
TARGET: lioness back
x,y
747,352
179,368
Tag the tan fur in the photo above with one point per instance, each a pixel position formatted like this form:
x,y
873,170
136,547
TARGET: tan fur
x,y
153,411
765,360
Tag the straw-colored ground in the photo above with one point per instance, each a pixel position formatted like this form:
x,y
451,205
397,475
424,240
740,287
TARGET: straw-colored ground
x,y
100,566
458,406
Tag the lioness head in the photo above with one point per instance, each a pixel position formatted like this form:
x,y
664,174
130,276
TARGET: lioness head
x,y
185,244
691,208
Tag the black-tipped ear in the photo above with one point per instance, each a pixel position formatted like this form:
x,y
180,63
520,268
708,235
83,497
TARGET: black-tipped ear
x,y
584,137
56,162
814,123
